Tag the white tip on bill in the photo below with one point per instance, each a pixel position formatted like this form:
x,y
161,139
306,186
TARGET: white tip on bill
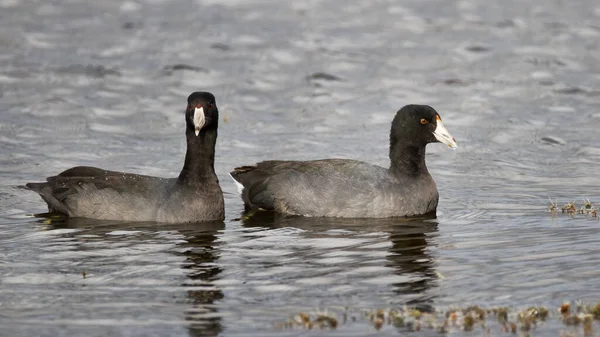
x,y
443,135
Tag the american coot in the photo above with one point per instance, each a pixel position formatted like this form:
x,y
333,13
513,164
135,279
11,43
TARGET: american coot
x,y
350,188
195,195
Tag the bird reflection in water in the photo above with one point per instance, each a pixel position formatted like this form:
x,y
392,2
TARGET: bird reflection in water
x,y
409,256
194,241
201,256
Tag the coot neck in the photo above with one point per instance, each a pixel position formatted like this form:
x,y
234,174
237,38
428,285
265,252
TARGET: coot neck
x,y
407,160
199,163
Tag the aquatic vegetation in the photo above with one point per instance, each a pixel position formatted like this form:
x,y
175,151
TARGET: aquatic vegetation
x,y
586,208
595,311
502,314
308,321
565,308
327,321
578,318
553,207
571,208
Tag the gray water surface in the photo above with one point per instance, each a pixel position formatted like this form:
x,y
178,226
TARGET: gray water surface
x,y
104,84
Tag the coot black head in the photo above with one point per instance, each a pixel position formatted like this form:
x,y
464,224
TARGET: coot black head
x,y
201,112
419,125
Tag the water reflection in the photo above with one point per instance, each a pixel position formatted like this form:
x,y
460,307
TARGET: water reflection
x,y
201,256
196,242
409,255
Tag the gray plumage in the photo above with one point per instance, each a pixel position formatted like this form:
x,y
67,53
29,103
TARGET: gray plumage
x,y
350,188
194,196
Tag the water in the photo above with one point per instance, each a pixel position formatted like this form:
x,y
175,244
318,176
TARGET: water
x,y
104,84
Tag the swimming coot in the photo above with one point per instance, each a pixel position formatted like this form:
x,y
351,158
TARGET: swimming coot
x,y
195,195
350,188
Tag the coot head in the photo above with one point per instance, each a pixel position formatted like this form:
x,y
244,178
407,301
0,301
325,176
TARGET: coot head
x,y
419,125
201,112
